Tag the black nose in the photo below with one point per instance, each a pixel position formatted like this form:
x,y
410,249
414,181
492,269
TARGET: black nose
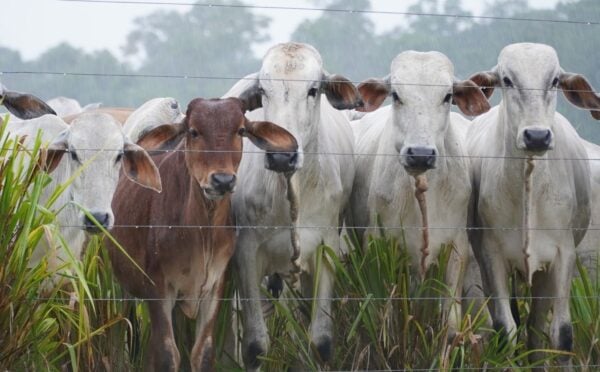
x,y
537,139
102,219
282,161
222,182
421,158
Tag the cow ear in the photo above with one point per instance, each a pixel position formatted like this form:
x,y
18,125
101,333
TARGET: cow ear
x,y
25,106
580,92
374,92
269,137
248,91
487,81
52,155
469,98
163,137
139,167
341,93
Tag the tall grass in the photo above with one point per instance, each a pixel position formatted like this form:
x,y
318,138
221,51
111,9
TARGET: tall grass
x,y
45,327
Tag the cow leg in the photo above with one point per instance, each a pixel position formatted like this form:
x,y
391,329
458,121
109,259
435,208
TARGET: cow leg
x,y
561,329
473,300
321,327
162,353
454,280
255,342
538,315
203,352
494,274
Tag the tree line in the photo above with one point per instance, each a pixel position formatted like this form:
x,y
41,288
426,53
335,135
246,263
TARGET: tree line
x,y
219,42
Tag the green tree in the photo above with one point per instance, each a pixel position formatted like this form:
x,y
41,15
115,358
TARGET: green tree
x,y
206,41
347,41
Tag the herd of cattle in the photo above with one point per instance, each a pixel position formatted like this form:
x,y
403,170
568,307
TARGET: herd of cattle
x,y
310,152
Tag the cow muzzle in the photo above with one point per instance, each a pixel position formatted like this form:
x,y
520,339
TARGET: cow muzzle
x,y
282,161
537,139
418,159
103,219
220,184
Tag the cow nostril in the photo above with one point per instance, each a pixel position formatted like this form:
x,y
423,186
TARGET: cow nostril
x,y
420,158
537,139
293,159
223,181
102,219
281,161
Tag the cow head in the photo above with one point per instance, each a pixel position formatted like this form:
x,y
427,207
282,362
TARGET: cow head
x,y
93,150
22,105
530,75
289,87
150,115
212,134
423,87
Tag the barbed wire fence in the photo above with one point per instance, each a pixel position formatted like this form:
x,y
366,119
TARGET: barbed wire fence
x,y
583,23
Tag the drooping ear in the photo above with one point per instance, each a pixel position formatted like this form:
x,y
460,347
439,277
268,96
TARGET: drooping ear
x,y
340,92
163,137
374,92
25,106
580,92
469,98
248,91
51,156
269,137
487,81
139,167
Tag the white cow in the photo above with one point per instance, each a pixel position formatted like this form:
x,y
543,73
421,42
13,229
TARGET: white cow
x,y
151,114
97,150
525,180
417,136
589,248
296,92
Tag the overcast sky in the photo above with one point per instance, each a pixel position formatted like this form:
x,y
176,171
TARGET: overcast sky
x,y
32,26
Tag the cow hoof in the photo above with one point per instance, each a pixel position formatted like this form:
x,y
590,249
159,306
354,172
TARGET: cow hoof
x,y
503,338
252,354
325,348
275,285
565,339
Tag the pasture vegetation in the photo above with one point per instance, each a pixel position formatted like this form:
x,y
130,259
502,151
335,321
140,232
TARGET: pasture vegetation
x,y
385,317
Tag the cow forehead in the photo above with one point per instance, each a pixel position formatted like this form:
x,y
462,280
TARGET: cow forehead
x,y
95,131
528,60
219,114
292,61
421,70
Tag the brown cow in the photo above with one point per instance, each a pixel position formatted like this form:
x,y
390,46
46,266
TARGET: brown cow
x,y
186,263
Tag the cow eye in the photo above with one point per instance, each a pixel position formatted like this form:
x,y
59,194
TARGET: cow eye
x,y
119,157
507,82
448,98
396,98
312,92
74,156
193,132
555,82
261,91
241,131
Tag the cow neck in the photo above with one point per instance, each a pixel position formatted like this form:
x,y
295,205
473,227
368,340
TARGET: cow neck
x,y
519,173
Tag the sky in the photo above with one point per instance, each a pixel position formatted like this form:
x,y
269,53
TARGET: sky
x,y
32,26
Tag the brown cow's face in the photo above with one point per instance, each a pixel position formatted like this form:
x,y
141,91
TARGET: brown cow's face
x,y
213,144
212,140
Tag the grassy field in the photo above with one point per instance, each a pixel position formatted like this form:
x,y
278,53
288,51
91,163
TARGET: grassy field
x,y
384,317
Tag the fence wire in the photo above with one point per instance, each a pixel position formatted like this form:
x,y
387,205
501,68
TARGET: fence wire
x,y
335,10
238,78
